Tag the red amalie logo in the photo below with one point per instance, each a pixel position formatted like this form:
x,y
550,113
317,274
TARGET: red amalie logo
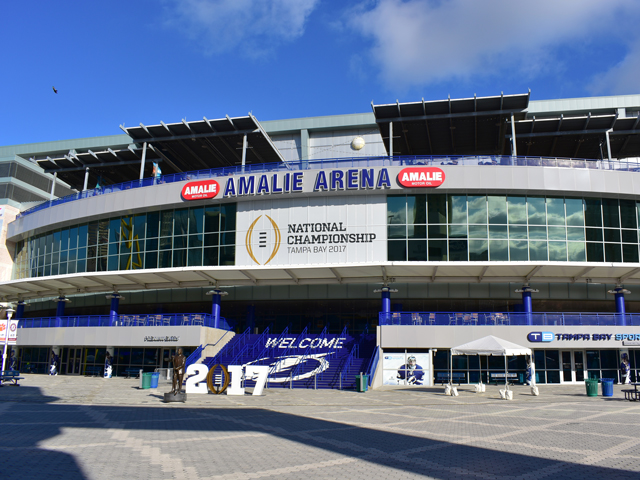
x,y
200,190
421,177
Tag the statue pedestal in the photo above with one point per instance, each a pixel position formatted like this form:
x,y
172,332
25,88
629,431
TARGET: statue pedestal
x,y
178,397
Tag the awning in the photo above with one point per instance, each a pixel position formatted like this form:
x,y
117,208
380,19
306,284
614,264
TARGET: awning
x,y
490,345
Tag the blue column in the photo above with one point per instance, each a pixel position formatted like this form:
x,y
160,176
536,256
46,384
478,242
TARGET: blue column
x,y
60,310
619,292
115,306
386,300
20,310
527,305
216,293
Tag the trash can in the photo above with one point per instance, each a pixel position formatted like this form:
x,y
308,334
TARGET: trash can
x,y
362,383
592,388
146,379
607,387
154,379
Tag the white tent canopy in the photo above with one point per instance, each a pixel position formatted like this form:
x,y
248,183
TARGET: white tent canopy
x,y
490,345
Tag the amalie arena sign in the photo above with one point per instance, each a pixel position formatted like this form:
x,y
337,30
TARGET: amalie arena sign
x,y
333,180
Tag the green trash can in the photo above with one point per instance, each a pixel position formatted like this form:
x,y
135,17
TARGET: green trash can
x,y
362,383
592,387
146,379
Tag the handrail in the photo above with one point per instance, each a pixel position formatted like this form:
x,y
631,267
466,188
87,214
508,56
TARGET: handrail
x,y
140,320
510,318
355,351
373,364
192,359
396,160
229,347
276,342
295,371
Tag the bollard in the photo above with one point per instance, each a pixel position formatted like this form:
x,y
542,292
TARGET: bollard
x,y
340,380
315,382
290,382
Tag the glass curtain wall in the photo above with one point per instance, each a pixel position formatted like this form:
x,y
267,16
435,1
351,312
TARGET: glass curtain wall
x,y
498,228
197,236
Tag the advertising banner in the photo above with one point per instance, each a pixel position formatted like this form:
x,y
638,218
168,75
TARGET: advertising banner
x,y
410,369
319,230
13,332
3,331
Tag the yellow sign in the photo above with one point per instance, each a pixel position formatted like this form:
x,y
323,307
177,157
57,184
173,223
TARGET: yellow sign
x,y
276,245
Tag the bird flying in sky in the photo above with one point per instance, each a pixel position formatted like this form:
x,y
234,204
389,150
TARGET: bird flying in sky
x,y
54,90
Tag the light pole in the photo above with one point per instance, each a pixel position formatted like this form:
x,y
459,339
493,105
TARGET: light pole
x,y
6,337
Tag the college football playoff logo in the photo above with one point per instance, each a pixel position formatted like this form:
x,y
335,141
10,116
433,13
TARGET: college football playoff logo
x,y
262,239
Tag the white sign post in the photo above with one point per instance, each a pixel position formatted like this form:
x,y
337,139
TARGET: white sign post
x,y
4,332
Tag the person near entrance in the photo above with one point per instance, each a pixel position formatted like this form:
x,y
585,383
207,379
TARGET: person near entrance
x,y
13,363
108,369
625,369
53,366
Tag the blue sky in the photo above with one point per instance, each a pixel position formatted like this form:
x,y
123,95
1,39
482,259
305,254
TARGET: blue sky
x,y
126,62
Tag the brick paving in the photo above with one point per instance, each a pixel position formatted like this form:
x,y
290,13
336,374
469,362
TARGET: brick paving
x,y
92,428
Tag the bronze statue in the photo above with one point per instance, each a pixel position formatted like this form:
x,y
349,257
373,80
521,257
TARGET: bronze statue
x,y
178,371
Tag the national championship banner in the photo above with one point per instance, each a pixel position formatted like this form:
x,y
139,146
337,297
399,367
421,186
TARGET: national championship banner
x,y
307,231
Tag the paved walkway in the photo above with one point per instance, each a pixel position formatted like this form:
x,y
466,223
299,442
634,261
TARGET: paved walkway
x,y
91,428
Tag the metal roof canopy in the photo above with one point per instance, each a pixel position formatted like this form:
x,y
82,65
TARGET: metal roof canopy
x,y
467,126
114,166
390,272
579,136
205,144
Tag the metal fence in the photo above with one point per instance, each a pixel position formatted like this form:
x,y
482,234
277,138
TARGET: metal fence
x,y
361,162
497,318
155,320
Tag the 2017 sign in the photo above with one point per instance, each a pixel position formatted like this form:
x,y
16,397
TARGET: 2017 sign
x,y
201,379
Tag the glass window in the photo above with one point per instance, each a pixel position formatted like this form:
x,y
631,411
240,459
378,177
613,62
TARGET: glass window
x,y
595,252
558,251
537,211
555,211
630,236
478,251
498,231
610,212
195,241
517,210
575,212
153,220
611,235
396,251
151,260
498,250
630,253
613,252
397,231
417,250
593,212
420,211
210,255
518,232
478,231
196,220
575,233
538,251
437,250
212,216
437,231
457,231
194,257
477,206
577,252
552,358
557,233
56,241
165,259
537,233
179,242
437,207
518,251
227,255
139,226
228,217
166,223
458,251
457,209
417,231
181,221
152,244
594,234
497,210
114,230
64,239
180,258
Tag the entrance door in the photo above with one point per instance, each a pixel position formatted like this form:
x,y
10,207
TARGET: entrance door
x,y
572,366
75,359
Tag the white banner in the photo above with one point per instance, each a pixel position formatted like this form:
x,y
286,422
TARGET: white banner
x,y
307,231
12,331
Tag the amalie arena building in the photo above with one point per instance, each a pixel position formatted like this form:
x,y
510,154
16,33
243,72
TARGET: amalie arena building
x,y
326,247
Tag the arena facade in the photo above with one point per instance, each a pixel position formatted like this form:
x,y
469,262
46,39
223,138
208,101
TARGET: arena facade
x,y
346,244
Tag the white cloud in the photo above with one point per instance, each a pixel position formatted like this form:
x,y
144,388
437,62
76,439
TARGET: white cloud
x,y
417,42
622,78
253,26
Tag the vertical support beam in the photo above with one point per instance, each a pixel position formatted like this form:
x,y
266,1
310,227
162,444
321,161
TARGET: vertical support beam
x,y
526,292
20,309
514,148
619,293
216,294
86,179
61,301
144,159
385,294
244,151
6,339
115,308
53,186
391,140
606,134
305,151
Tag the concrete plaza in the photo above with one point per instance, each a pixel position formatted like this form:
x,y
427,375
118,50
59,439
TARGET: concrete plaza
x,y
91,428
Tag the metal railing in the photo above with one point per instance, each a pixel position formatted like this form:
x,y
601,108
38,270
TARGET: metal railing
x,y
156,320
497,318
396,160
373,364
